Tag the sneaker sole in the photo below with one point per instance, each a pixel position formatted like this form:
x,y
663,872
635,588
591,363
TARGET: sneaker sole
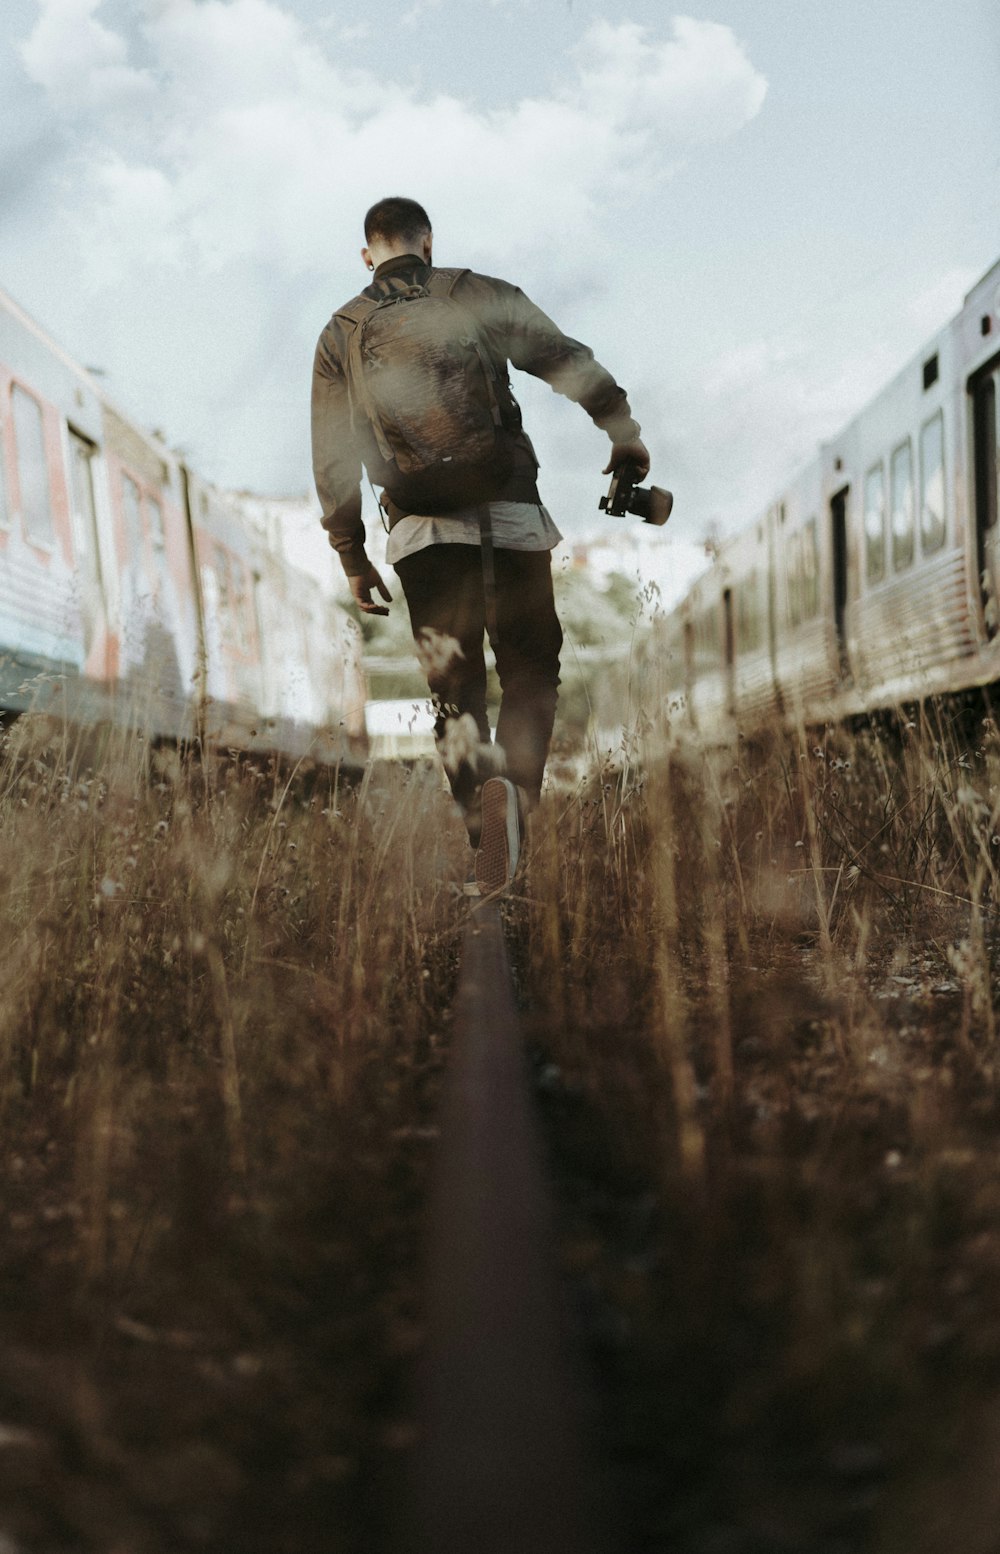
x,y
494,869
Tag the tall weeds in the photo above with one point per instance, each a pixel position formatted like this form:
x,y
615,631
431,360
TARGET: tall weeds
x,y
765,983
225,989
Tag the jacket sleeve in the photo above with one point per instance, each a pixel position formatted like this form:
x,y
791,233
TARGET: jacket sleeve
x,y
337,461
532,342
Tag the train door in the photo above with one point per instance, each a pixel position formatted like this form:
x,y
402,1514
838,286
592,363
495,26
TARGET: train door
x,y
986,479
775,526
688,672
194,579
730,648
85,539
838,530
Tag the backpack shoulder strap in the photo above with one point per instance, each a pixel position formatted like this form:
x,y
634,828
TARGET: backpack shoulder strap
x,y
356,311
358,398
441,283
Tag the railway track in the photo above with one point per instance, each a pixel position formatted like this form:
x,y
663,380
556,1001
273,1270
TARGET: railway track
x,y
501,1461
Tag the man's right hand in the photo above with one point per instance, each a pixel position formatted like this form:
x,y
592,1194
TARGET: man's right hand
x,y
634,452
361,588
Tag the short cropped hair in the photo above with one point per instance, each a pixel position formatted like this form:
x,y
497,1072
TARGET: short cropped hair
x,y
397,220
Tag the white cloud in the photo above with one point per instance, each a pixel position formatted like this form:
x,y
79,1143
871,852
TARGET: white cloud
x,y
418,10
219,223
697,85
79,62
757,415
268,146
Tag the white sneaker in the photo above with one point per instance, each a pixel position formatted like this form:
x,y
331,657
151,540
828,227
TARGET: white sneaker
x,y
500,839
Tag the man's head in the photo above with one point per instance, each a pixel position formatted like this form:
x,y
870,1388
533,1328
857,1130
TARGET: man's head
x,y
396,226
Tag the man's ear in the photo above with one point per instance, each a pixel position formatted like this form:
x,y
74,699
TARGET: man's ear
x,y
366,255
428,247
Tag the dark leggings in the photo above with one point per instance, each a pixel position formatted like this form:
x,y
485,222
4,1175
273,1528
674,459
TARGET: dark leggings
x,y
443,586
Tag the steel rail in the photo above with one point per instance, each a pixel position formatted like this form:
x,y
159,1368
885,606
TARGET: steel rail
x,y
500,1465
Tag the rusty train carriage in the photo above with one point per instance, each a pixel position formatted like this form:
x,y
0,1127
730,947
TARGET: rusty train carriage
x,y
874,578
133,591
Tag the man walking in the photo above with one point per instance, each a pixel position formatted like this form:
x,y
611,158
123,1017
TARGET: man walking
x,y
411,381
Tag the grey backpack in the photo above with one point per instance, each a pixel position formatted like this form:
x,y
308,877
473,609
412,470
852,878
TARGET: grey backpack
x,y
420,376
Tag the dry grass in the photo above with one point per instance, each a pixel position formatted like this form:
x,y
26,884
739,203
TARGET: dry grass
x,y
764,987
219,1043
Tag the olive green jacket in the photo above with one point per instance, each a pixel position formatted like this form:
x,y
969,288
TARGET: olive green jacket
x,y
516,331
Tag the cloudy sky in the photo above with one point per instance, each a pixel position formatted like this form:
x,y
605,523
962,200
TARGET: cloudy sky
x,y
754,213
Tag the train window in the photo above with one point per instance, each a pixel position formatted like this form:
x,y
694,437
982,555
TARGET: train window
x,y
901,509
933,524
875,524
810,570
32,468
132,508
930,371
81,454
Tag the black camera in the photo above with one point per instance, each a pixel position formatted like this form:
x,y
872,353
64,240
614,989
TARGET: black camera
x,y
652,505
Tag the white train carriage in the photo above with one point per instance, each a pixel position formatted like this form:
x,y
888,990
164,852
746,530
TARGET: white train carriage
x,y
233,672
976,335
748,614
153,669
313,692
56,526
873,580
805,650
905,610
132,591
708,696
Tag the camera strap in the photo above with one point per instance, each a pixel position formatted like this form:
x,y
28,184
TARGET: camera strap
x,y
489,573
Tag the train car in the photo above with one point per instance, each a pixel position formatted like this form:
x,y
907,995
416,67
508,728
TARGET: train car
x,y
153,674
314,693
873,579
707,652
134,592
805,653
233,669
56,524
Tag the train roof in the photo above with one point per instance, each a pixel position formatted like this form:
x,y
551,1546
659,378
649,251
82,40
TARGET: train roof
x,y
243,507
985,291
988,278
87,378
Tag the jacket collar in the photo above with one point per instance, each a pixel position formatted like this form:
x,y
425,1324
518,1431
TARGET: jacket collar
x,y
400,265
